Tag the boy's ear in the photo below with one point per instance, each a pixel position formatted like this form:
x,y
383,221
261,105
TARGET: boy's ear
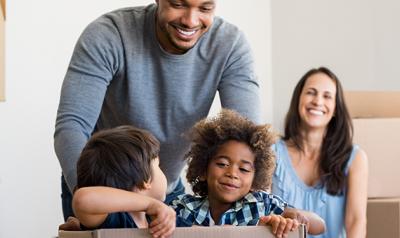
x,y
146,185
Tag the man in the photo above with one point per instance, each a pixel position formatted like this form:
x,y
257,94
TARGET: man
x,y
158,68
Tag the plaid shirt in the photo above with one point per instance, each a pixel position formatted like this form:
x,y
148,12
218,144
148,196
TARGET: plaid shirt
x,y
194,210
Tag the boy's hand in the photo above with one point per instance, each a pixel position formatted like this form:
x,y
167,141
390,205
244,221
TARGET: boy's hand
x,y
280,226
163,219
72,224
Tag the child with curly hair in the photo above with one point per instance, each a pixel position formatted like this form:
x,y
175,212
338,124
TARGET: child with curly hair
x,y
230,168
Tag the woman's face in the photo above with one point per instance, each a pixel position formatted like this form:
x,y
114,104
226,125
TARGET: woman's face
x,y
317,101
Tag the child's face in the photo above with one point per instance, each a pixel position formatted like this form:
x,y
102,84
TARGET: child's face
x,y
230,173
158,181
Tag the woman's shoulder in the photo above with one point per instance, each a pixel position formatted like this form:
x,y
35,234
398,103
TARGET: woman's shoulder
x,y
359,160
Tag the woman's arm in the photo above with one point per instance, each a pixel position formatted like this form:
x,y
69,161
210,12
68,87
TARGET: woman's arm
x,y
314,223
356,207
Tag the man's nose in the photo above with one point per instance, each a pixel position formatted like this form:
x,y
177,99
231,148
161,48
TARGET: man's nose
x,y
190,19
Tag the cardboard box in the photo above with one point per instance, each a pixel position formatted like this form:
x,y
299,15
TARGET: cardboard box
x,y
193,232
377,131
373,104
2,49
383,218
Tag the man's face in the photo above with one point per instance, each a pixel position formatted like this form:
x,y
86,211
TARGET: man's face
x,y
181,23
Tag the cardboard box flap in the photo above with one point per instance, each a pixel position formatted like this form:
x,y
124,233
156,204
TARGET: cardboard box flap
x,y
369,104
185,232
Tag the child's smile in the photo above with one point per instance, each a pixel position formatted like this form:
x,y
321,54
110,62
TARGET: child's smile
x,y
230,173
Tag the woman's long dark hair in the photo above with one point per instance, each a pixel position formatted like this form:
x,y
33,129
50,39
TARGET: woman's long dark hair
x,y
338,141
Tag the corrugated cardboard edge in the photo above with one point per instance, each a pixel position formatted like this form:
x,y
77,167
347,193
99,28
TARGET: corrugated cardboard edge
x,y
2,51
75,234
195,232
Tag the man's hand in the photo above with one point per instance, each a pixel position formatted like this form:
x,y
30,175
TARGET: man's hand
x,y
280,226
163,219
72,224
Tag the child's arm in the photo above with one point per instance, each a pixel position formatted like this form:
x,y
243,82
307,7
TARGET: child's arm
x,y
314,223
93,204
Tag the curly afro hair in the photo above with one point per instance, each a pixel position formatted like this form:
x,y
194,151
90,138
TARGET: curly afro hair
x,y
210,133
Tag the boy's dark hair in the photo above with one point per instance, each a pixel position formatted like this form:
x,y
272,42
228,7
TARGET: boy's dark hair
x,y
119,158
209,134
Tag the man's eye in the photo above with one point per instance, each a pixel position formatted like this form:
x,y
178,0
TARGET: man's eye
x,y
176,5
206,9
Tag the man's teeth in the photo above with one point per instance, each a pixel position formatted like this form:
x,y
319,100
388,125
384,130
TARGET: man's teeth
x,y
316,112
186,33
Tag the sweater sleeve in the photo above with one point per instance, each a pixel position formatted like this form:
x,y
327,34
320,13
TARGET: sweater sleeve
x,y
94,62
239,89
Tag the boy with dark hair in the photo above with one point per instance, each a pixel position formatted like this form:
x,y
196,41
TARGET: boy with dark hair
x,y
120,183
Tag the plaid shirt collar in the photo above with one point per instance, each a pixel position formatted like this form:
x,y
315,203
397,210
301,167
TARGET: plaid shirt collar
x,y
201,209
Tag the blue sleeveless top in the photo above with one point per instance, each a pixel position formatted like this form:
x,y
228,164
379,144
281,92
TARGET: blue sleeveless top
x,y
291,188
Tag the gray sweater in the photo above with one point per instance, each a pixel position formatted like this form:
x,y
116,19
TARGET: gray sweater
x,y
119,74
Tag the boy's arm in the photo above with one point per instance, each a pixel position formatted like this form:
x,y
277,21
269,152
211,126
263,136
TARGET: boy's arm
x,y
314,223
93,204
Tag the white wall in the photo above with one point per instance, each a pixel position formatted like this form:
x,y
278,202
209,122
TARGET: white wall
x,y
40,38
358,40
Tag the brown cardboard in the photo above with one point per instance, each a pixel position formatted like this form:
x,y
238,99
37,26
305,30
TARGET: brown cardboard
x,y
376,120
380,139
2,50
383,218
373,104
192,232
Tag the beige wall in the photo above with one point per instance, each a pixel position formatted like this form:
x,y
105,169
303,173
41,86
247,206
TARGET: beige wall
x,y
358,40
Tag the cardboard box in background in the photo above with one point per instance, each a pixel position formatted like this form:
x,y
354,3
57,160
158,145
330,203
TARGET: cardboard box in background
x,y
2,49
192,232
377,131
383,218
373,104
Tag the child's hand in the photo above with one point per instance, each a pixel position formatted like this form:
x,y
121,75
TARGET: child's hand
x,y
280,225
163,219
72,224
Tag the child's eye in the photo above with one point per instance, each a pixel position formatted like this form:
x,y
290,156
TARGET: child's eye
x,y
221,164
244,170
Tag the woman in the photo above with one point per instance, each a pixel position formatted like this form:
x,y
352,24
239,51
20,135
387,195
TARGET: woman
x,y
318,167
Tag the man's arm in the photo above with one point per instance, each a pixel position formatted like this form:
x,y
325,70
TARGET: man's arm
x,y
93,64
239,89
